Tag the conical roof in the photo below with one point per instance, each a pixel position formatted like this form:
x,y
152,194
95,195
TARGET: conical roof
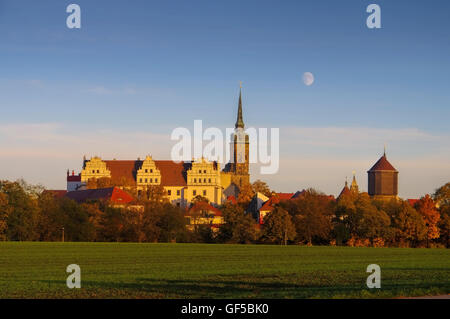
x,y
383,165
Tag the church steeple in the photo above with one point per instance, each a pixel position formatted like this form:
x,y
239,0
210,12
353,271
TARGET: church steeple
x,y
240,121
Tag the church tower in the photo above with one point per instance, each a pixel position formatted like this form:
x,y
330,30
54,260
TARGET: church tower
x,y
240,142
383,179
236,173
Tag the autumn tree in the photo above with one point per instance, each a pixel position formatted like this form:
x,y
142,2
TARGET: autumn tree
x,y
23,212
427,208
4,213
371,222
442,196
245,195
259,186
313,213
238,227
278,226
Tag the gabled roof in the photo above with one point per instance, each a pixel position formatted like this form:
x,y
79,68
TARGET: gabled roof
x,y
172,173
269,205
113,194
345,191
121,169
383,165
200,206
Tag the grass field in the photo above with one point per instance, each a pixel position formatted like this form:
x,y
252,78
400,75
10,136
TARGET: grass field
x,y
121,270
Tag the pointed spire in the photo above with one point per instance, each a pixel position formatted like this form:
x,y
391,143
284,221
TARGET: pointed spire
x,y
384,154
240,121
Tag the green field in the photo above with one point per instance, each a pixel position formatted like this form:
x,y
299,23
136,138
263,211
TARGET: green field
x,y
122,270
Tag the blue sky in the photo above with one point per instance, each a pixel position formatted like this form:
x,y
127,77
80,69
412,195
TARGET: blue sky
x,y
145,67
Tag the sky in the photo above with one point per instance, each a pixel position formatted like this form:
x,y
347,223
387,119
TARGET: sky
x,y
136,70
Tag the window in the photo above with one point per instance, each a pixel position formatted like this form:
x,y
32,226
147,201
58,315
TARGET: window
x,y
199,171
98,171
93,171
194,193
204,171
156,180
195,180
169,192
140,180
178,192
146,180
204,193
151,180
146,170
151,171
209,180
204,180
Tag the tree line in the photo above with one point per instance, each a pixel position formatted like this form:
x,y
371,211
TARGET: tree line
x,y
27,213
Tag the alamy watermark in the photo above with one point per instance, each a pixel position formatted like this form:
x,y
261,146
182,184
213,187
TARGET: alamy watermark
x,y
250,146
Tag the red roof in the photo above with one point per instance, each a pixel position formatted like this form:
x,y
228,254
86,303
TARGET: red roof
x,y
172,173
345,191
383,165
268,205
199,206
412,202
232,199
113,194
74,178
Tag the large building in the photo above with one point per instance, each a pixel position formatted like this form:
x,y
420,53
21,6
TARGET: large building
x,y
383,180
182,181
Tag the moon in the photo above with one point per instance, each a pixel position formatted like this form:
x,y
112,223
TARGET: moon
x,y
308,78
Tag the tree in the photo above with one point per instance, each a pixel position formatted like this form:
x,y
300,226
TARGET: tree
x,y
4,213
238,227
156,193
442,195
245,195
313,213
370,221
23,214
278,226
427,208
407,224
261,187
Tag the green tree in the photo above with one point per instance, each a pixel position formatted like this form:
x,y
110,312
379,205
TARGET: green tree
x,y
23,214
313,213
4,213
278,226
238,227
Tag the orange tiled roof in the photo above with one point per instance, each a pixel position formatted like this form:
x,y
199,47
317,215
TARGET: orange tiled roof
x,y
172,173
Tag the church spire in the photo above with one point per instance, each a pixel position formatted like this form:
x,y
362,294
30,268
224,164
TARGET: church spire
x,y
240,121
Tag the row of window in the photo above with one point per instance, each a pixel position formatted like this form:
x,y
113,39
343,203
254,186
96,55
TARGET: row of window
x,y
146,180
200,180
146,170
194,193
